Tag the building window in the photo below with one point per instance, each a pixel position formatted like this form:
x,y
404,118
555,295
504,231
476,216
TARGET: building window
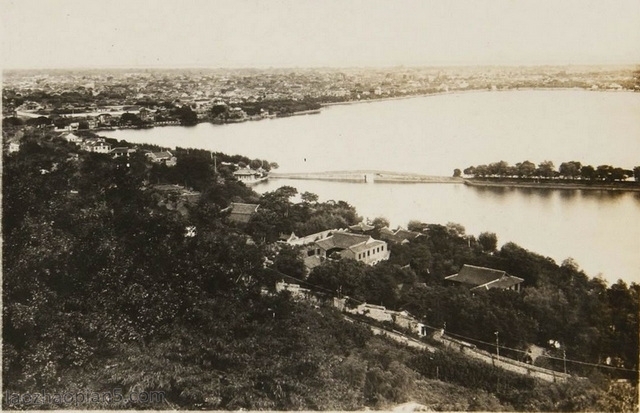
x,y
368,253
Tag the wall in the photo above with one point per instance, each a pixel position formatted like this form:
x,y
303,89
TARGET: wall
x,y
502,362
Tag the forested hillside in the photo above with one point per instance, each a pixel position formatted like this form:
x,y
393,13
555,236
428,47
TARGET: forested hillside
x,y
105,288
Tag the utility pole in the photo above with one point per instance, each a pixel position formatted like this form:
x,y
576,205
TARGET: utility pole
x,y
564,359
497,344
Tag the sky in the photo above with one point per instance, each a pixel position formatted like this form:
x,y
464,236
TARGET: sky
x,y
329,33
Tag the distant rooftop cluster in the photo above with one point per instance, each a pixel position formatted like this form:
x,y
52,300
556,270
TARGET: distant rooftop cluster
x,y
246,91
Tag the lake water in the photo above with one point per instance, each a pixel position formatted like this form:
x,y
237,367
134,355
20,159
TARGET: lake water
x,y
434,135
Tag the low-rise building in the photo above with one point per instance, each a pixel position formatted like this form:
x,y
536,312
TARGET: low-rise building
x,y
72,137
146,115
241,213
13,147
97,145
381,313
247,175
164,157
324,244
482,278
295,290
399,236
361,248
122,152
293,239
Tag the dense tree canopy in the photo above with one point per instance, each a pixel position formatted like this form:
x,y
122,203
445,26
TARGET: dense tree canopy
x,y
567,170
105,287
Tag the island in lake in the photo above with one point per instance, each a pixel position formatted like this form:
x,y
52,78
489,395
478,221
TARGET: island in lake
x,y
569,175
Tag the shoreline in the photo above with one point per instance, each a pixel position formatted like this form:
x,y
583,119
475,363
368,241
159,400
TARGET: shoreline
x,y
469,91
329,104
554,185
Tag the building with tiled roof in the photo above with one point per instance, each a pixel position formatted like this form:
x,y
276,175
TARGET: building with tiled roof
x,y
247,175
122,152
164,157
400,236
242,213
482,278
361,227
361,248
293,239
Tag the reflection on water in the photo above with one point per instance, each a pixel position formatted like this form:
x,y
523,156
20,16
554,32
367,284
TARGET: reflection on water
x,y
545,193
603,194
593,227
568,193
492,189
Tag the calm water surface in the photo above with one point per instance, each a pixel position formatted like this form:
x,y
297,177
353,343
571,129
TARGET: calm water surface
x,y
599,230
434,135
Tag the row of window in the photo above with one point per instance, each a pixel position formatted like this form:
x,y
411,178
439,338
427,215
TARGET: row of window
x,y
368,253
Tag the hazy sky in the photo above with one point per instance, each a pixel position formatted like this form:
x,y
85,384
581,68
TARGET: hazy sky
x,y
199,33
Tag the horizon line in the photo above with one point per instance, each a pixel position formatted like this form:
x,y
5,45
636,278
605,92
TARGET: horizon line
x,y
372,67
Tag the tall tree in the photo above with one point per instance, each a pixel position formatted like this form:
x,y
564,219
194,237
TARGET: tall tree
x,y
488,241
380,222
526,169
546,169
570,170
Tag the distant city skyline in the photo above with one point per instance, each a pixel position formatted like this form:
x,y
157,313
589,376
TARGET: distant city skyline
x,y
305,34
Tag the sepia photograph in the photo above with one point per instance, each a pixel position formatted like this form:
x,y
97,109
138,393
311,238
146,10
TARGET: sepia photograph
x,y
336,205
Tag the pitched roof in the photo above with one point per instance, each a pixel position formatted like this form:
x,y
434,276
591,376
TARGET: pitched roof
x,y
312,261
362,227
341,240
386,231
406,234
470,274
246,172
482,277
161,155
240,208
242,212
364,246
505,282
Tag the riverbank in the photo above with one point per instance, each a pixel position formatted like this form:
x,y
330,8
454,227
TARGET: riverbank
x,y
368,176
619,186
468,91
